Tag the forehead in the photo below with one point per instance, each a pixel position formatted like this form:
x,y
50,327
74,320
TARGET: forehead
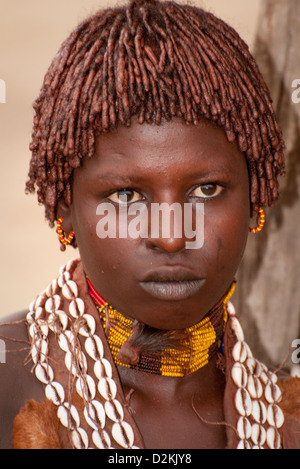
x,y
171,145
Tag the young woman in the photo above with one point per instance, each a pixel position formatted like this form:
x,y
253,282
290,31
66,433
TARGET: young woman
x,y
136,344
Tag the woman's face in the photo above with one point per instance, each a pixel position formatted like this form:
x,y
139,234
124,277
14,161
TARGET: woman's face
x,y
156,279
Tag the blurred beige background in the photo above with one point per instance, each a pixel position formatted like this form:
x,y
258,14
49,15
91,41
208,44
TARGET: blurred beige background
x,y
31,32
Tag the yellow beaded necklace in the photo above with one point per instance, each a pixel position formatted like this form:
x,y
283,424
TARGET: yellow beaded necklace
x,y
195,345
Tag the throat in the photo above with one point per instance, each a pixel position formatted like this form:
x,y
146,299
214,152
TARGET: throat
x,y
175,353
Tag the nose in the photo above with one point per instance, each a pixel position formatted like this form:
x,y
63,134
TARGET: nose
x,y
166,228
170,245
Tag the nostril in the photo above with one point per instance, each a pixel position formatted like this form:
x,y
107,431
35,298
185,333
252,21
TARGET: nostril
x,y
170,245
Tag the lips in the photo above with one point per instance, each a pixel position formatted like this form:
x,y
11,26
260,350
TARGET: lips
x,y
172,284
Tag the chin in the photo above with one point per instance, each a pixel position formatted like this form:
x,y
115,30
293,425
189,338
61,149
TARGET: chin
x,y
170,317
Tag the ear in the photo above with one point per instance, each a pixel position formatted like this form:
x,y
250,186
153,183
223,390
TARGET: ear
x,y
64,211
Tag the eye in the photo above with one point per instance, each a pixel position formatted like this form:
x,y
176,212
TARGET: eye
x,y
125,197
207,191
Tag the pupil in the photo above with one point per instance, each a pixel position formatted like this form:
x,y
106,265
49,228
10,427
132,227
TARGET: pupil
x,y
208,189
125,195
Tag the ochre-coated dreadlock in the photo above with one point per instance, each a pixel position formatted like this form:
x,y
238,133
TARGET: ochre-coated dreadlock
x,y
154,60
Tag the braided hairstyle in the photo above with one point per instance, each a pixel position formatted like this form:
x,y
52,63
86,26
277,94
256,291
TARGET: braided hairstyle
x,y
154,60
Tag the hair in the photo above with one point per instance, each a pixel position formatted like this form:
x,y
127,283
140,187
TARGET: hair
x,y
155,60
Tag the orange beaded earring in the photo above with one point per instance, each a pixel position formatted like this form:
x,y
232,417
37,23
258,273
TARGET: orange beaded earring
x,y
61,234
260,223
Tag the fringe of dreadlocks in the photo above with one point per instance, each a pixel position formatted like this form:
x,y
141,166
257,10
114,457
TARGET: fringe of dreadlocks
x,y
155,61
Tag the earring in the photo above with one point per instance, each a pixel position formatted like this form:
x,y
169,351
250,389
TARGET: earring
x,y
260,223
61,234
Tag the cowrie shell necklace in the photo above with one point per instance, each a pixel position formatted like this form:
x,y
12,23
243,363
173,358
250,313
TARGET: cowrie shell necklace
x,y
256,398
57,321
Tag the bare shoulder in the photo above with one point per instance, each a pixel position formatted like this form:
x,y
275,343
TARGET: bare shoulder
x,y
14,327
18,384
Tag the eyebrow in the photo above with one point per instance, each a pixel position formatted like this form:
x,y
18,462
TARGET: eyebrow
x,y
110,175
132,179
213,172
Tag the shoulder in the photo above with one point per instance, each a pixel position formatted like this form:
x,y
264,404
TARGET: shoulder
x,y
290,405
17,382
14,341
14,326
14,338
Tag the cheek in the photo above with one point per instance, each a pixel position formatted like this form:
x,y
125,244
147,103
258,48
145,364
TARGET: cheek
x,y
108,262
226,236
102,258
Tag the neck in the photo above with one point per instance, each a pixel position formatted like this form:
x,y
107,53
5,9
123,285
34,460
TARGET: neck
x,y
166,387
168,353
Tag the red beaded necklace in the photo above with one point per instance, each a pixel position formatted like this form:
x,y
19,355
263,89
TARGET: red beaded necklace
x,y
195,347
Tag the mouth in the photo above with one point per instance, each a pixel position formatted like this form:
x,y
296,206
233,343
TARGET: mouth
x,y
172,284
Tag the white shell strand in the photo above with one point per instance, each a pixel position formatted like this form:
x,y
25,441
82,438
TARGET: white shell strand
x,y
257,395
256,398
95,414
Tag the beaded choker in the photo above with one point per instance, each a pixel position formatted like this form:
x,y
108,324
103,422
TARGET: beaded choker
x,y
194,346
60,316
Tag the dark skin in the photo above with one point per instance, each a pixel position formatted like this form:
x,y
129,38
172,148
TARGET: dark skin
x,y
168,163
